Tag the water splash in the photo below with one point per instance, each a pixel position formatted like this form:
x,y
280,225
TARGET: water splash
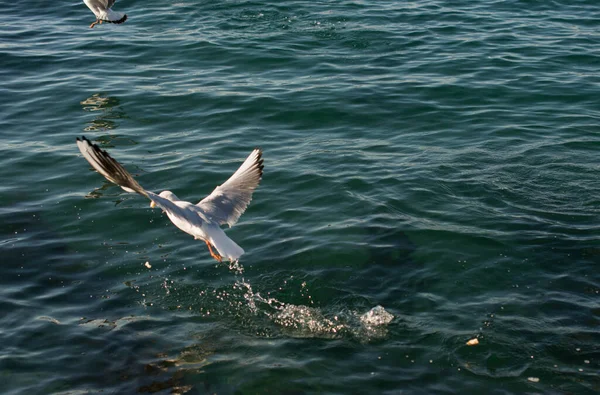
x,y
269,316
303,321
236,267
377,316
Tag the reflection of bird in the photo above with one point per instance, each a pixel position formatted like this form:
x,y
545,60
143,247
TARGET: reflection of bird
x,y
104,13
107,110
223,206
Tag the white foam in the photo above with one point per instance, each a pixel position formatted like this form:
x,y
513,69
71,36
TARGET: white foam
x,y
377,316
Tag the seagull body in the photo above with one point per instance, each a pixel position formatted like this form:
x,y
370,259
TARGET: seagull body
x,y
104,13
224,205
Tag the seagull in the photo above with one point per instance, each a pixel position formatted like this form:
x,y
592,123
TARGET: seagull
x,y
104,13
223,206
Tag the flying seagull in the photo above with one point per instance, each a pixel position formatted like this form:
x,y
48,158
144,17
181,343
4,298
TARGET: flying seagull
x,y
104,13
224,205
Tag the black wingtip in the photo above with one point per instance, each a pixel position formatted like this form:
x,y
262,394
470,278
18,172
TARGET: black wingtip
x,y
94,146
118,21
260,161
83,138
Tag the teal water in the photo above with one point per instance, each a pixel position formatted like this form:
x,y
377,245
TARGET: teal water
x,y
438,159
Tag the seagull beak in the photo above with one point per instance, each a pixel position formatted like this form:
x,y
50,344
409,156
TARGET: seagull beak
x,y
152,204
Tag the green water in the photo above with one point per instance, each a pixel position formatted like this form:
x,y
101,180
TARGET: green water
x,y
438,159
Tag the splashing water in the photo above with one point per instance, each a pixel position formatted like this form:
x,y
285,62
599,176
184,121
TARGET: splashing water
x,y
377,316
236,267
269,316
308,322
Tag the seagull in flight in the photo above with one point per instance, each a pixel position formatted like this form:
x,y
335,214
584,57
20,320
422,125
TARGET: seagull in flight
x,y
104,13
223,206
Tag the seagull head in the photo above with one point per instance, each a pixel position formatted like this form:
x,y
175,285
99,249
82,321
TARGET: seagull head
x,y
167,195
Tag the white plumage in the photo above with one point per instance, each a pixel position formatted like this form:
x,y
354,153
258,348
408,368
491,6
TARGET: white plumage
x,y
224,205
104,13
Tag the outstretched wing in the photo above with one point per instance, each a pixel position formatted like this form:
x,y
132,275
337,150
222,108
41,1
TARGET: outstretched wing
x,y
229,201
108,167
115,173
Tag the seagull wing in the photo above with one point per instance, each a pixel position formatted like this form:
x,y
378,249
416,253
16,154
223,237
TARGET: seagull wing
x,y
102,10
99,7
101,4
112,170
228,202
108,167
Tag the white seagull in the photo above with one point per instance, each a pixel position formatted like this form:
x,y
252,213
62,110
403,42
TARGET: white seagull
x,y
224,205
104,13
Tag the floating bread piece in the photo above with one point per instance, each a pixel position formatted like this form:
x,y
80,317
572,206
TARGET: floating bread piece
x,y
473,342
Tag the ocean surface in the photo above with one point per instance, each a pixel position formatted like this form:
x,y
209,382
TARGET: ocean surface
x,y
432,176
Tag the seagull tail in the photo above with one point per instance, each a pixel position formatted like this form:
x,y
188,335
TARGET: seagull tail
x,y
226,247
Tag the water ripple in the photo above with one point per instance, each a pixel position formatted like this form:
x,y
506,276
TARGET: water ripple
x,y
435,159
